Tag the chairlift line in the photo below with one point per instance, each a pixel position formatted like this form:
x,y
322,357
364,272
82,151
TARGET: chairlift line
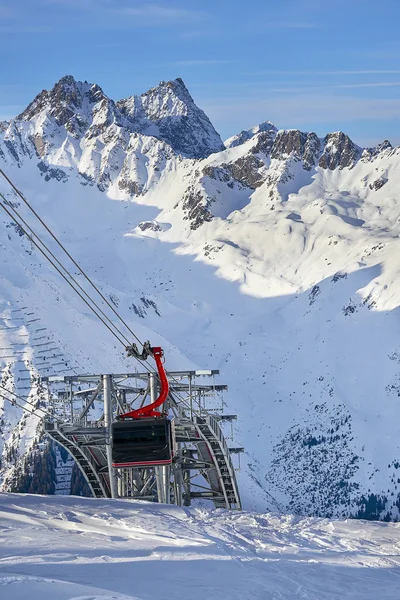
x,y
61,273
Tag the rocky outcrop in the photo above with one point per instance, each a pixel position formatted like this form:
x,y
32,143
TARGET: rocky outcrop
x,y
378,183
73,105
292,142
339,152
248,170
196,208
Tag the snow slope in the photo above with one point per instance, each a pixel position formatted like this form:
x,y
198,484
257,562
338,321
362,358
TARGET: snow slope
x,y
70,548
274,260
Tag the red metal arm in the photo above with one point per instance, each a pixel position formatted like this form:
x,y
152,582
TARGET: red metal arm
x,y
148,411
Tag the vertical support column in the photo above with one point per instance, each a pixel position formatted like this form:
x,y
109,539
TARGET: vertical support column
x,y
153,386
190,397
162,473
108,419
123,399
178,482
186,487
163,479
71,399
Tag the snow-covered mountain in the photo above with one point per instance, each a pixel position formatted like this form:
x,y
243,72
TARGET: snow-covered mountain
x,y
272,258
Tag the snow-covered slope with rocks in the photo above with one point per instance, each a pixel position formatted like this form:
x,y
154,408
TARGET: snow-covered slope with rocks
x,y
273,259
85,549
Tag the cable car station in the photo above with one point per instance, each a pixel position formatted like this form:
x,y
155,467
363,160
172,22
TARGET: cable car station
x,y
150,436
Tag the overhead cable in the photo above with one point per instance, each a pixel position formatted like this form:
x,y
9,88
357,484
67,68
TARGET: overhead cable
x,y
34,235
17,191
61,273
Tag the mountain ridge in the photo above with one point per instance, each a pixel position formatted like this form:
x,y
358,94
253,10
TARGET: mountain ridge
x,y
272,259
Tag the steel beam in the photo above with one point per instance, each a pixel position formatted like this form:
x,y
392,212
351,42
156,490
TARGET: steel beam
x,y
108,419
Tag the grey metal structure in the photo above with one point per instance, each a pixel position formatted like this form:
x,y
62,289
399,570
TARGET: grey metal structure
x,y
202,467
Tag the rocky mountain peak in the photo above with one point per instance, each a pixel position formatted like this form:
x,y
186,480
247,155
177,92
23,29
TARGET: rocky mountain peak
x,y
292,142
169,112
168,98
75,105
339,151
248,134
65,100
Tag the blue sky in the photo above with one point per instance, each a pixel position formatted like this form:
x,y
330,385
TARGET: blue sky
x,y
308,64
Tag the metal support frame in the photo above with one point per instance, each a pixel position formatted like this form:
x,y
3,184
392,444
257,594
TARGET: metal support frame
x,y
108,419
202,467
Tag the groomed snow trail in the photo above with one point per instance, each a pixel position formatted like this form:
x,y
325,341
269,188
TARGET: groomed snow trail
x,y
68,548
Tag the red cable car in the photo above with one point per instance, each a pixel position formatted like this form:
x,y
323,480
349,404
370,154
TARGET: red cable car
x,y
144,437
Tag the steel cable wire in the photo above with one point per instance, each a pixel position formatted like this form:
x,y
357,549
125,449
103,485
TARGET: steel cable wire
x,y
31,405
35,235
61,273
148,369
17,191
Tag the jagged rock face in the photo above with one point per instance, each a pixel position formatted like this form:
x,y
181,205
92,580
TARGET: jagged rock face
x,y
265,142
378,183
72,104
248,170
128,145
303,146
339,152
311,151
196,208
371,153
169,113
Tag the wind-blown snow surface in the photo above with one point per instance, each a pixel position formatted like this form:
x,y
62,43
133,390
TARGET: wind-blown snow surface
x,y
70,548
274,260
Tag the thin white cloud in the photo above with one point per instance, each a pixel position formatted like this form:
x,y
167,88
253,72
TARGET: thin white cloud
x,y
144,11
368,85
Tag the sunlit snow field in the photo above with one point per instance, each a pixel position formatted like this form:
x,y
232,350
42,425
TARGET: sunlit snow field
x,y
68,548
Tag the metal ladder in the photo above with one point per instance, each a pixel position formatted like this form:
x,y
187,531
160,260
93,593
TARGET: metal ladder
x,y
221,475
87,465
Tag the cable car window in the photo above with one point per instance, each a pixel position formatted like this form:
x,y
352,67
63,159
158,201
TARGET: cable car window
x,y
137,443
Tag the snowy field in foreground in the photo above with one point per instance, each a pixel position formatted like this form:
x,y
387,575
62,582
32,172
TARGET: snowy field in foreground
x,y
72,548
